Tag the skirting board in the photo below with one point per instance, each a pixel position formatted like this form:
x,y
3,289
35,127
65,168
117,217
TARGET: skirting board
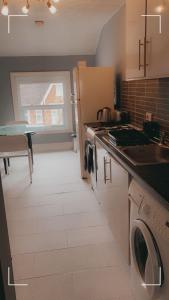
x,y
51,147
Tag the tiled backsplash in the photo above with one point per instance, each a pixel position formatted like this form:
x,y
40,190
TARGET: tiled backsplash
x,y
141,96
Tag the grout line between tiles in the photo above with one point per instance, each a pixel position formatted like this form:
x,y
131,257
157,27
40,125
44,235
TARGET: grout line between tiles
x,y
71,272
60,249
52,231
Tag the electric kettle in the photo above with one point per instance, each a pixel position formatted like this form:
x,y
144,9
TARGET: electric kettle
x,y
104,114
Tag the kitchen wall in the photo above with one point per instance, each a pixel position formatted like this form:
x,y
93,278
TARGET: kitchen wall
x,y
30,64
111,47
151,95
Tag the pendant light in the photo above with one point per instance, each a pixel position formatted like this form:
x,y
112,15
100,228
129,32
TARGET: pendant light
x,y
5,9
51,7
25,8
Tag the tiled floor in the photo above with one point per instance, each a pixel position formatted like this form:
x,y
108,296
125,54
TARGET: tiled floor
x,y
60,241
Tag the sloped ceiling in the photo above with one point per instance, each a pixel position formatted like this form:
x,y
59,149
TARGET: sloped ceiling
x,y
74,29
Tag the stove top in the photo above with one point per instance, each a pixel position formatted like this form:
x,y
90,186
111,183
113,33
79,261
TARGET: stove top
x,y
128,137
103,124
92,129
108,127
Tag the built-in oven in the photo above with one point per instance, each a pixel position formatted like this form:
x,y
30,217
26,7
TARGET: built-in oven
x,y
91,157
90,146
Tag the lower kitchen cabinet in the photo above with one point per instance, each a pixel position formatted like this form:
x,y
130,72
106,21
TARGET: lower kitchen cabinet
x,y
112,194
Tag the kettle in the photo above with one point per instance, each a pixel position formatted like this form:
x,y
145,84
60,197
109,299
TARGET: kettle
x,y
104,114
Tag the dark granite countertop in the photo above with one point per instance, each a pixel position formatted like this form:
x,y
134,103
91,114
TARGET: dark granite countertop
x,y
155,178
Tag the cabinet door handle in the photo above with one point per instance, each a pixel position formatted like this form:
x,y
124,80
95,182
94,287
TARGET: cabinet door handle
x,y
104,160
140,45
105,171
145,53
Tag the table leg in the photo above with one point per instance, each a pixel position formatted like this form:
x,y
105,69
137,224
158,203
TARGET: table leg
x,y
29,136
8,162
5,165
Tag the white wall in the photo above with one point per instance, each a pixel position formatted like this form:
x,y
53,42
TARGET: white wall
x,y
111,49
111,46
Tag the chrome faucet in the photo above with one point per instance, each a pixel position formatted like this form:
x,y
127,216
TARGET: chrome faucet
x,y
163,138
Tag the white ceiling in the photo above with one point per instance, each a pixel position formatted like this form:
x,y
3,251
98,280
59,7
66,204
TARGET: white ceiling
x,y
74,29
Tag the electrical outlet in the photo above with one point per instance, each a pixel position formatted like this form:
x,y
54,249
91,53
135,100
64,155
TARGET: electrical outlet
x,y
149,116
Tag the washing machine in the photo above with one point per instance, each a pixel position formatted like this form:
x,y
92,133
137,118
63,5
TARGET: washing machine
x,y
149,245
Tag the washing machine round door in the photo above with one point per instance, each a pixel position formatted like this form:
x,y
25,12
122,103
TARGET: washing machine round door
x,y
146,260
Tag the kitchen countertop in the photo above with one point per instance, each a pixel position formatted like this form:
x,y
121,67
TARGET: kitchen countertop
x,y
155,178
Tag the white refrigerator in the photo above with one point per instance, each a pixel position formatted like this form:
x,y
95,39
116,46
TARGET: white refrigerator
x,y
94,88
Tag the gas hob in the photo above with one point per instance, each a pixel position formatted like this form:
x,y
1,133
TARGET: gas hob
x,y
93,130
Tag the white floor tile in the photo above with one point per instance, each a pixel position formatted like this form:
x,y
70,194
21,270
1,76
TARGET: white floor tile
x,y
48,288
102,284
38,242
56,223
83,201
66,260
45,211
22,227
90,235
23,266
82,220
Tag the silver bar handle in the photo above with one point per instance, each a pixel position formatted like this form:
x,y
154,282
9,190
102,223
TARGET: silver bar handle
x,y
140,45
105,171
145,51
92,146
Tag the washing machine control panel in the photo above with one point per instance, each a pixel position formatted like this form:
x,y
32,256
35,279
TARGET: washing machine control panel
x,y
157,218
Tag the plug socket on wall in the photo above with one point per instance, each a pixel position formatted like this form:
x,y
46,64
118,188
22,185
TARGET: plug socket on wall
x,y
149,116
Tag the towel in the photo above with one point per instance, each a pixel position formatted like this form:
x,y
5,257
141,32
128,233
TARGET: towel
x,y
88,158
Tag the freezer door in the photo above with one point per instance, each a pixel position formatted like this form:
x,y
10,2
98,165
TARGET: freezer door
x,y
93,90
96,90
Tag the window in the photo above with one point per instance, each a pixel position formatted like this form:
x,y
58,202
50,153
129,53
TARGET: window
x,y
57,117
59,90
38,117
43,99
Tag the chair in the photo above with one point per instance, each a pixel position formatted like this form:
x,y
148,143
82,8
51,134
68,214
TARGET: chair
x,y
22,122
16,146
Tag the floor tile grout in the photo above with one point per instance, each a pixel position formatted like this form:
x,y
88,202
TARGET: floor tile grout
x,y
61,249
71,272
53,250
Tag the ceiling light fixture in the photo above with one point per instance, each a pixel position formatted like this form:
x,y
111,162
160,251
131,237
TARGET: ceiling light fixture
x,y
159,9
52,8
161,6
5,9
26,7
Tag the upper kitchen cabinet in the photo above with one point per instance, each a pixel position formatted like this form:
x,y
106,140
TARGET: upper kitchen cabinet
x,y
158,38
135,38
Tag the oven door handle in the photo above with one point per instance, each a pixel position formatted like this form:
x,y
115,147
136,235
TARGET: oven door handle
x,y
92,146
105,171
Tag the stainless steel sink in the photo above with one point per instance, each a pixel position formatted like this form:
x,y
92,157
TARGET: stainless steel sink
x,y
146,154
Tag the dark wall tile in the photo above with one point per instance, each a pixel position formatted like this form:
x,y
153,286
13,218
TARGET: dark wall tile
x,y
141,96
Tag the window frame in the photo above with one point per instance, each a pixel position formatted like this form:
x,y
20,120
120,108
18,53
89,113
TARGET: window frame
x,y
38,111
35,77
